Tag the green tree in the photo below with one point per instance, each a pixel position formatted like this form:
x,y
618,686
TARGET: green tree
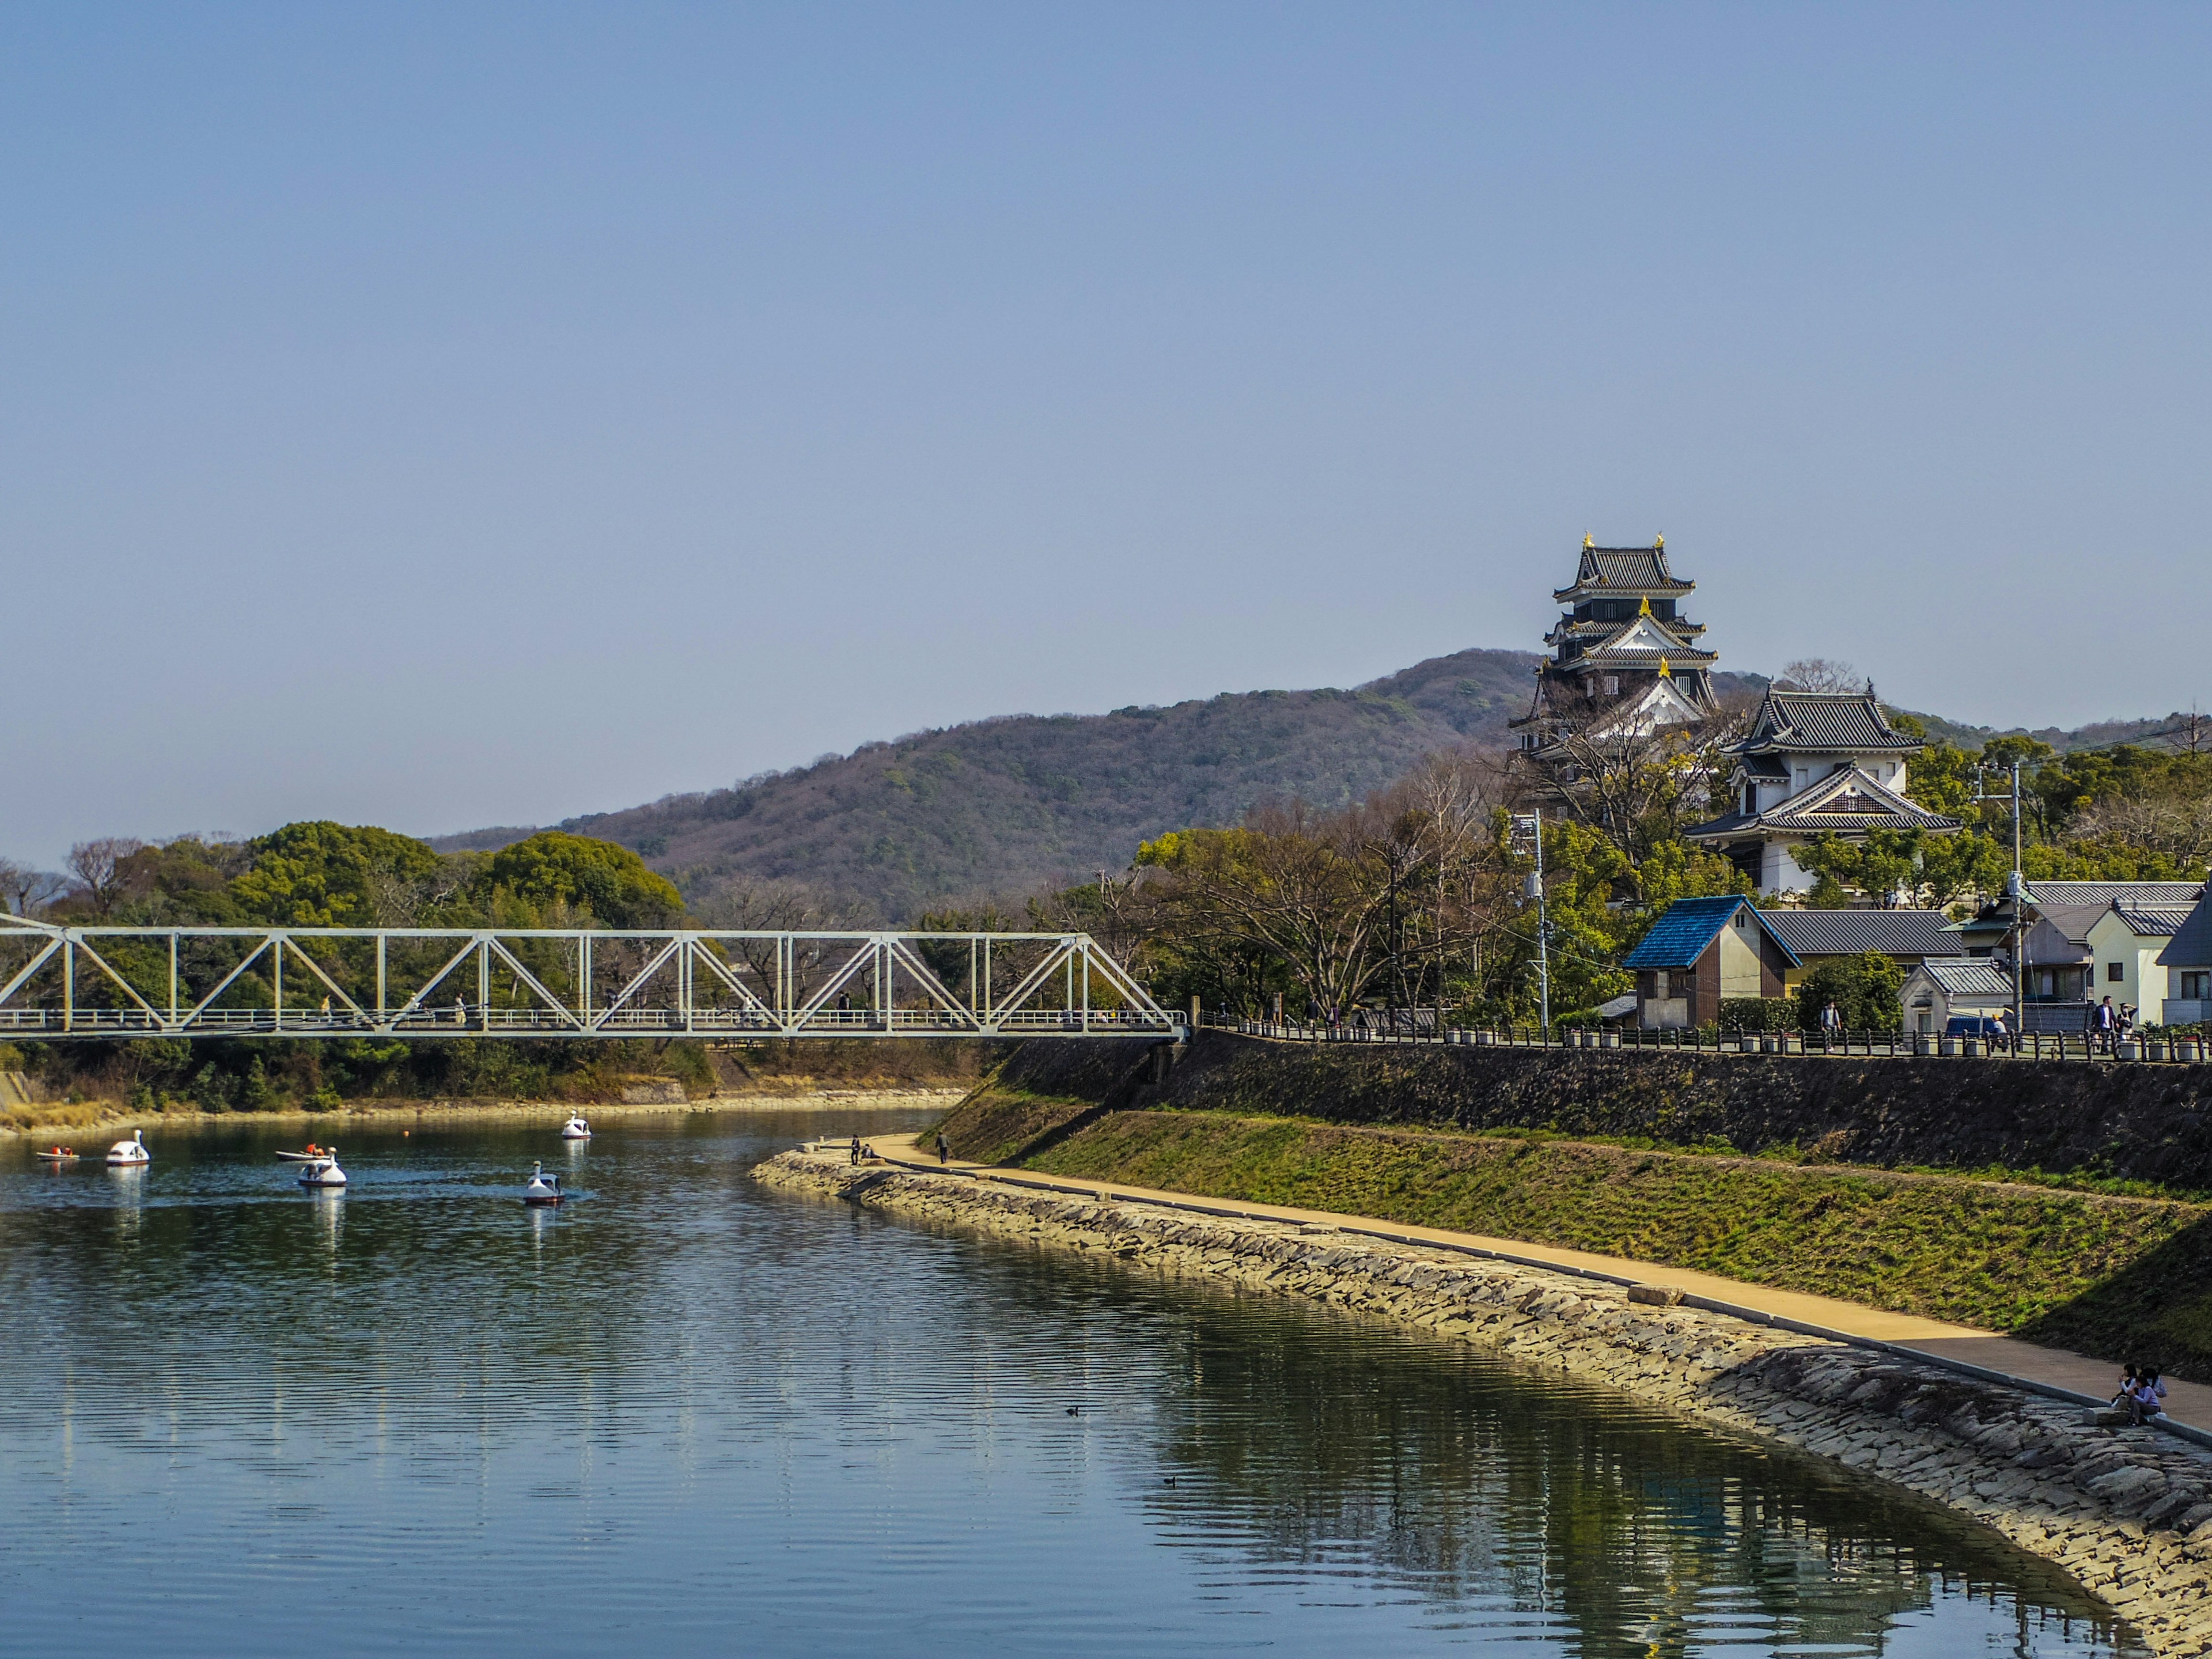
x,y
322,874
608,881
1867,991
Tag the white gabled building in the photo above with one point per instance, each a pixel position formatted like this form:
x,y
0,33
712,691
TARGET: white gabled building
x,y
1813,763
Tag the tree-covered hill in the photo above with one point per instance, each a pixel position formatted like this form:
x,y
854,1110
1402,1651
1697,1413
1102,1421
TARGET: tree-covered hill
x,y
1003,806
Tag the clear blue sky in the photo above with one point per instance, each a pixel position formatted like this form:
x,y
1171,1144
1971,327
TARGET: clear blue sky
x,y
457,415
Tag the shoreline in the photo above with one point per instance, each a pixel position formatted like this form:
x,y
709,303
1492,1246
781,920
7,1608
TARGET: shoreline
x,y
463,1110
2127,1513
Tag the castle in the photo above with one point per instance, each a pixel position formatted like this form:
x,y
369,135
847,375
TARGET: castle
x,y
1625,665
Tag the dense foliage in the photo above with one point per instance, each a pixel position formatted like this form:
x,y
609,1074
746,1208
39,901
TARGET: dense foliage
x,y
323,875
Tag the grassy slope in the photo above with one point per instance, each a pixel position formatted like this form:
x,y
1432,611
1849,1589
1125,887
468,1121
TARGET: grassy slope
x,y
2100,1273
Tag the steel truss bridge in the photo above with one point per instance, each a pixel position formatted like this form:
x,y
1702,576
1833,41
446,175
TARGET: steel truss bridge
x,y
199,983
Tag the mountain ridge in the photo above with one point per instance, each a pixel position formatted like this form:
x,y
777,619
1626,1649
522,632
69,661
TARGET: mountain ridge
x,y
1000,806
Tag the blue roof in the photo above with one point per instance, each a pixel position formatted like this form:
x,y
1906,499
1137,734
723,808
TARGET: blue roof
x,y
1681,936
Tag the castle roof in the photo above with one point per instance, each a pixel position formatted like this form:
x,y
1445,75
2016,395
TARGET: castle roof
x,y
1824,719
1623,570
1846,801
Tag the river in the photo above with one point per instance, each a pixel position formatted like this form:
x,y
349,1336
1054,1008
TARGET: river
x,y
686,1415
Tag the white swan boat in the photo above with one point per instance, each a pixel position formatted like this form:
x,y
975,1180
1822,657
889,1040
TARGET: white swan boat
x,y
324,1171
575,1129
543,1189
131,1151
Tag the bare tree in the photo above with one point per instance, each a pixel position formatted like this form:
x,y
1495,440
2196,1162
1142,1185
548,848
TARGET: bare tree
x,y
1821,674
24,891
98,867
1637,789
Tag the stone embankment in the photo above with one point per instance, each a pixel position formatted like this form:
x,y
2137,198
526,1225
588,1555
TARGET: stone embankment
x,y
2128,1512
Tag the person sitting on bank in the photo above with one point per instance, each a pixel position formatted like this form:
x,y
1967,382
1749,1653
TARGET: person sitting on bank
x,y
2149,1394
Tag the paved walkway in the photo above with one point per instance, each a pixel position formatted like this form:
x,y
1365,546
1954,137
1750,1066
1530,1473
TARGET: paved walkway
x,y
1963,1348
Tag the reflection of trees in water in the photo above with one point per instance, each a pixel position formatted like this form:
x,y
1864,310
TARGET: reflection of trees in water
x,y
1296,1442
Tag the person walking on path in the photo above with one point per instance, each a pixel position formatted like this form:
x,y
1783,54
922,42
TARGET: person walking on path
x,y
942,1149
1831,1021
2107,1021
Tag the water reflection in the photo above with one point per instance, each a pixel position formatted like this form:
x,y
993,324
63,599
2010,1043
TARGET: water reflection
x,y
686,1407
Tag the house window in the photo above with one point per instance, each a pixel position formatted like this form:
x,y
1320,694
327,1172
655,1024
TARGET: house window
x,y
1742,919
1613,685
2115,971
1659,985
2197,986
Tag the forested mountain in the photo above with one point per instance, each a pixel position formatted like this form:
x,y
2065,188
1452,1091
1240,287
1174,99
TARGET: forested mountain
x,y
1001,806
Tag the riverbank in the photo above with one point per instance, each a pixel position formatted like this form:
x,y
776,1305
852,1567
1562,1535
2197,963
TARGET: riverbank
x,y
2097,1254
101,1119
2127,1513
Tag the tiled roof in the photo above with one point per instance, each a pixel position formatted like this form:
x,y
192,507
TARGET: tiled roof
x,y
1843,800
1626,570
2153,921
1602,658
1679,937
2158,894
1969,976
2073,921
2192,947
1855,933
1824,719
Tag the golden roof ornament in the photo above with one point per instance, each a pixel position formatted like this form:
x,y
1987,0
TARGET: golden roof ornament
x,y
1589,541
1644,609
1658,544
1665,673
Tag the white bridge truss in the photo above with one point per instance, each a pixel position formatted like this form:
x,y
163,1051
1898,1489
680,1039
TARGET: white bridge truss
x,y
93,981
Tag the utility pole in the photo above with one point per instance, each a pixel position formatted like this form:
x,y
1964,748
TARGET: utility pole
x,y
1535,891
2019,893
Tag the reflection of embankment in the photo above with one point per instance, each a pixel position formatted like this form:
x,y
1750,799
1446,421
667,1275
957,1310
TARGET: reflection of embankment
x,y
1468,1480
1476,1140
2115,1510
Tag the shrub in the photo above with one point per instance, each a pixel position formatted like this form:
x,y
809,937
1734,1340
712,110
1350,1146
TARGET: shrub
x,y
1758,1014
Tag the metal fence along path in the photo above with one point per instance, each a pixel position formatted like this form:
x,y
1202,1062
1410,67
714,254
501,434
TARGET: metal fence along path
x,y
96,981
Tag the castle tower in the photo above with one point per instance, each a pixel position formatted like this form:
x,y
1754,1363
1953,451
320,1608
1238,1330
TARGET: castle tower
x,y
1624,662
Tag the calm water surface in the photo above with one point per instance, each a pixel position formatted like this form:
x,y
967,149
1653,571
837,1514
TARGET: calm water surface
x,y
684,1415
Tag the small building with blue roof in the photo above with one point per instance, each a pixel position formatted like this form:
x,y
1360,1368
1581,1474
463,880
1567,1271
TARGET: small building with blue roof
x,y
1701,950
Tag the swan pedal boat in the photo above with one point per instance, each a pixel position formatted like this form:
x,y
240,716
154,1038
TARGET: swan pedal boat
x,y
124,1153
575,1129
324,1171
543,1190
